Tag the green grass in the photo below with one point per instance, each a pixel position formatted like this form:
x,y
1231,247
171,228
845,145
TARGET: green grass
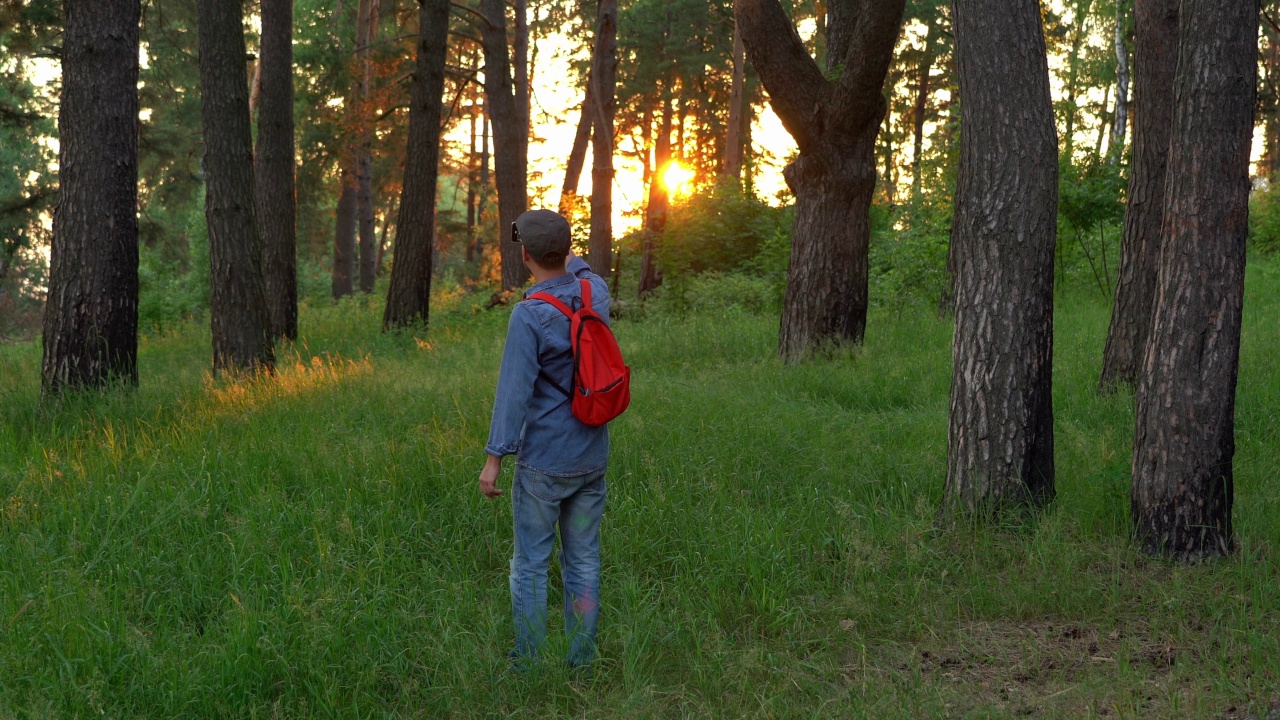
x,y
314,544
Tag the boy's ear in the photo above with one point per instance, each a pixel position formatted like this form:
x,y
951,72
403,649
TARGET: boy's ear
x,y
524,253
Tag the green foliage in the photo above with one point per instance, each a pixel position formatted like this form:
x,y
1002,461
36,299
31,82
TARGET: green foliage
x,y
720,230
1091,197
312,544
1264,220
908,260
719,294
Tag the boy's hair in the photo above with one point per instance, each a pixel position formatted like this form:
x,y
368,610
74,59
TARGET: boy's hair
x,y
552,261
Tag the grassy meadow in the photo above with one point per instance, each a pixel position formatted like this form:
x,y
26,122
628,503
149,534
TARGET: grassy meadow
x,y
314,545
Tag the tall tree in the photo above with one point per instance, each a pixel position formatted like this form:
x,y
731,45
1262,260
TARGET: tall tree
x,y
366,35
1121,122
510,136
603,78
273,169
1155,60
91,316
1000,441
1184,439
737,93
344,229
655,216
834,123
409,296
238,309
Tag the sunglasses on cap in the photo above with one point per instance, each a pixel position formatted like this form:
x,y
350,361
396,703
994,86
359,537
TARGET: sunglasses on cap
x,y
515,233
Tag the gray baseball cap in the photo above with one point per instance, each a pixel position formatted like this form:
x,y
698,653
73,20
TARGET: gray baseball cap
x,y
544,233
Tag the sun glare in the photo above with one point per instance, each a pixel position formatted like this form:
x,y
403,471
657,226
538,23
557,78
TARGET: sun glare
x,y
677,178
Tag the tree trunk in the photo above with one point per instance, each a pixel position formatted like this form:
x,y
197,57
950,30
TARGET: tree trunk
x,y
238,308
510,139
922,107
1120,121
483,200
473,172
1155,60
409,295
1000,440
655,216
1270,107
603,74
366,35
834,123
273,169
733,137
1080,21
344,233
91,316
578,152
1184,436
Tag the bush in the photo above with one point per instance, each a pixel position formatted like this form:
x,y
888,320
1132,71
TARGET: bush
x,y
724,230
1264,219
718,294
908,255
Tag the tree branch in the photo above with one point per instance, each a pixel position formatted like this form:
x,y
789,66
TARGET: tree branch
x,y
860,95
796,87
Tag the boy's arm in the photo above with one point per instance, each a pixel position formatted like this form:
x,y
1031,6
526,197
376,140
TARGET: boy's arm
x,y
515,388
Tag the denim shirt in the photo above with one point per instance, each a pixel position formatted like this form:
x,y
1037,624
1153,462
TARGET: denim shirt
x,y
532,419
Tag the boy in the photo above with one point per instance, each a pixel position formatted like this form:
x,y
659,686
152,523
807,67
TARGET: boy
x,y
560,462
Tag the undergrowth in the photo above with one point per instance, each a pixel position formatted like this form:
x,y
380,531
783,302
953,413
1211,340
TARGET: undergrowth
x,y
313,543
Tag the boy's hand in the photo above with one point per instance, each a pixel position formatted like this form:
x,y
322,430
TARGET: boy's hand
x,y
489,477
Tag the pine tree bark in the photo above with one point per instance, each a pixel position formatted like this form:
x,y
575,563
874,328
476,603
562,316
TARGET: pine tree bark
x,y
1000,441
834,124
409,295
1184,439
238,308
510,139
91,315
274,171
1155,61
603,77
344,231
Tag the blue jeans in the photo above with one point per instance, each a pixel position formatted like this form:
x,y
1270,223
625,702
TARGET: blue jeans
x,y
541,503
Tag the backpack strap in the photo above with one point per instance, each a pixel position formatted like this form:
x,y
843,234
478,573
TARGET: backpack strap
x,y
586,293
553,301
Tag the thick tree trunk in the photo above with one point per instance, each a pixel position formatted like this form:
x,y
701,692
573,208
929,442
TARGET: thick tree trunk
x,y
1000,441
91,316
655,216
1120,121
603,74
1184,438
733,136
408,298
826,295
834,123
366,34
238,308
344,233
274,172
1155,61
510,141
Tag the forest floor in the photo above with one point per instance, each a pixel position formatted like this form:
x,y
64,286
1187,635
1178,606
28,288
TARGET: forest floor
x,y
313,544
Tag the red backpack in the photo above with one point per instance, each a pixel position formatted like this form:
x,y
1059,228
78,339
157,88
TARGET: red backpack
x,y
601,380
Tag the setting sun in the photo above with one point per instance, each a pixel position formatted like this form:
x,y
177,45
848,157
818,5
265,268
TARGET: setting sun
x,y
677,178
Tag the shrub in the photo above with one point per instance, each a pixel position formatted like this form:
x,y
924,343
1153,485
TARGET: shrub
x,y
1264,219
